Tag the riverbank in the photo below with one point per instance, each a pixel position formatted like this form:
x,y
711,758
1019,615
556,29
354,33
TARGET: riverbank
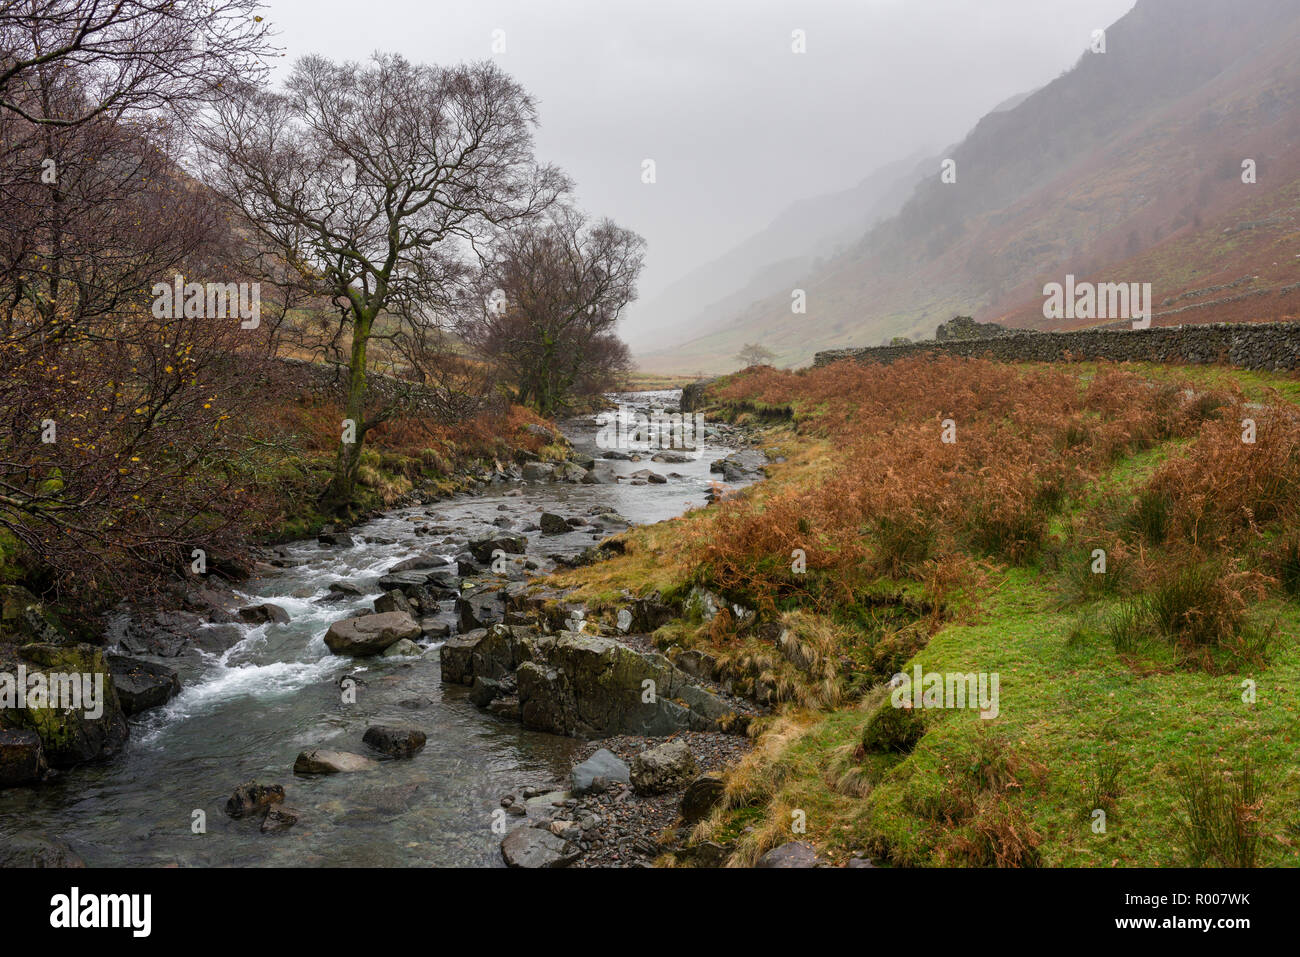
x,y
259,686
1112,544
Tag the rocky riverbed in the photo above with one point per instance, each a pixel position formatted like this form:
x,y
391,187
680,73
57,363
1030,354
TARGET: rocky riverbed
x,y
302,715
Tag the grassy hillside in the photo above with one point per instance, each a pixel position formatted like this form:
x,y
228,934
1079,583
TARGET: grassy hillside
x,y
1126,168
1158,690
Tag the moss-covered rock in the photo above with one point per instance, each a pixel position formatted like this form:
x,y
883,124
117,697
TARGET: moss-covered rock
x,y
92,727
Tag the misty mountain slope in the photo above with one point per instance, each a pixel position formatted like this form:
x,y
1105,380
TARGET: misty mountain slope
x,y
795,242
1134,148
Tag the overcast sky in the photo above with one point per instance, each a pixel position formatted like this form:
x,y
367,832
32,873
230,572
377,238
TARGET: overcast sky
x,y
737,124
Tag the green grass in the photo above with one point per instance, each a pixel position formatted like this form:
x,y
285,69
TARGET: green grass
x,y
1063,703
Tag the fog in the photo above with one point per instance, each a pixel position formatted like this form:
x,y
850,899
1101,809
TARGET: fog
x,y
737,123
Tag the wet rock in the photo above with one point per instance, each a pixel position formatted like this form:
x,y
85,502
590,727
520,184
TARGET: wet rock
x,y
553,524
792,854
418,563
215,639
403,649
456,656
370,634
598,772
394,741
34,850
162,634
22,759
534,847
263,613
327,761
671,458
341,591
701,796
142,685
485,690
95,728
432,628
665,768
503,649
480,608
393,600
538,471
335,539
251,797
482,548
599,687
279,819
427,586
546,700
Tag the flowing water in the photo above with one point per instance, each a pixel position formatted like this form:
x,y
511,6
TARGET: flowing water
x,y
248,712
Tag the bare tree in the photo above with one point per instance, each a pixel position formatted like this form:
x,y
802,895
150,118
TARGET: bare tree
x,y
549,302
130,56
376,184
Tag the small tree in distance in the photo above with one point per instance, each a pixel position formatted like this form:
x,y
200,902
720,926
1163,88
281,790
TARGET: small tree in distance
x,y
754,354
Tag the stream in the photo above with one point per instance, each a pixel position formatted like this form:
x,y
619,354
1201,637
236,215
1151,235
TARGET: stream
x,y
247,712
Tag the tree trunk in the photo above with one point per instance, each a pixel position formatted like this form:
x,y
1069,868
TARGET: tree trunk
x,y
338,495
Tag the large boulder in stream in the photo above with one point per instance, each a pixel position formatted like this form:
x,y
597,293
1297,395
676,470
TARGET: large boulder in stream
x,y
263,613
393,741
77,714
592,685
142,685
552,524
482,548
370,634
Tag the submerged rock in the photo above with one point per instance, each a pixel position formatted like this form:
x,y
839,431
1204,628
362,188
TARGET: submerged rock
x,y
403,649
250,797
35,850
279,819
393,741
326,761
